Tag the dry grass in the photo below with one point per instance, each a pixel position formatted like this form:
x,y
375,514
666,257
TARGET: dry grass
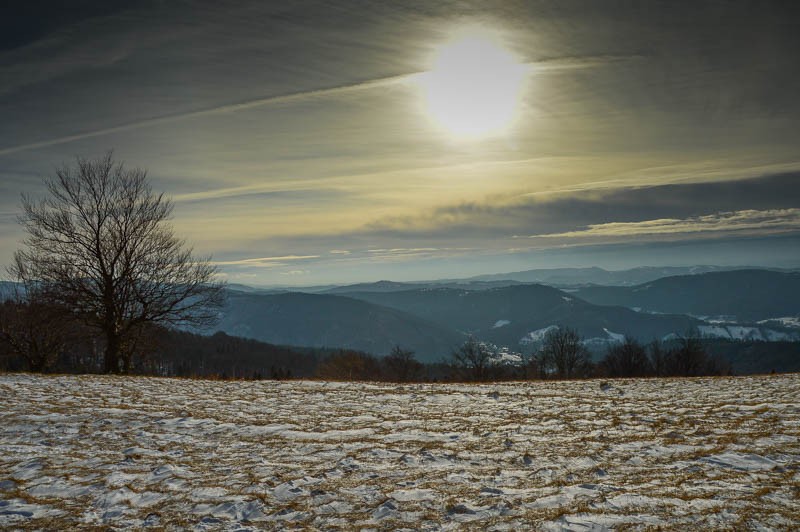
x,y
557,452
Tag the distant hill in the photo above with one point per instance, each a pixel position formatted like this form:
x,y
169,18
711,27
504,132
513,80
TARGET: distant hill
x,y
741,295
379,286
599,276
515,315
558,277
320,320
253,289
392,286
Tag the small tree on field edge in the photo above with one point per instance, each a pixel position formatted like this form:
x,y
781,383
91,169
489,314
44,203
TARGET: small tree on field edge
x,y
563,355
401,365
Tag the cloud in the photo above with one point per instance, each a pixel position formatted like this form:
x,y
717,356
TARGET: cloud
x,y
401,254
566,212
399,251
266,262
296,272
578,62
752,221
482,228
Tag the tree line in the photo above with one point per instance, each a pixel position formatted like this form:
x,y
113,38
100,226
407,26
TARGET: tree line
x,y
563,355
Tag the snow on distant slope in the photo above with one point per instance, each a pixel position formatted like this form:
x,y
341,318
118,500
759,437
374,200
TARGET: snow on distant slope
x,y
505,356
788,321
614,337
537,335
130,453
739,332
778,336
745,333
716,331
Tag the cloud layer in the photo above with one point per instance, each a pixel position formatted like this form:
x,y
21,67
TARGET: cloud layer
x,y
296,143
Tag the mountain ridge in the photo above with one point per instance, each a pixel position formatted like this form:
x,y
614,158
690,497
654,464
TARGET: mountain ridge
x,y
749,295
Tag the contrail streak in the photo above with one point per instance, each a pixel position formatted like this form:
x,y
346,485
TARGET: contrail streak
x,y
566,63
228,108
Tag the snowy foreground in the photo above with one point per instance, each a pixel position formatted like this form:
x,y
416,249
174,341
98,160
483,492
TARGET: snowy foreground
x,y
79,452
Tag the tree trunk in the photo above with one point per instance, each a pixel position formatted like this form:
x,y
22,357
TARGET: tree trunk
x,y
113,344
125,357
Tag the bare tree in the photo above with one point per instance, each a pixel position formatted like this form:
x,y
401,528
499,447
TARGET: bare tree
x,y
401,365
658,358
689,358
563,355
628,359
473,359
532,367
99,244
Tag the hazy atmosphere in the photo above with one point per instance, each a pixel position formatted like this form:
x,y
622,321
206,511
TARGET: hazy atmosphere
x,y
319,142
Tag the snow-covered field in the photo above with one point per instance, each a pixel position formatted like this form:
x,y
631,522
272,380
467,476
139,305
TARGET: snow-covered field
x,y
79,452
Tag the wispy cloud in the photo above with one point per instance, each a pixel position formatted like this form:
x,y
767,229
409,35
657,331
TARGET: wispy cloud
x,y
399,251
296,272
770,221
403,254
566,211
266,262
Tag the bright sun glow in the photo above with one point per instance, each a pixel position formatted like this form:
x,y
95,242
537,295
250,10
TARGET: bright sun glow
x,y
473,89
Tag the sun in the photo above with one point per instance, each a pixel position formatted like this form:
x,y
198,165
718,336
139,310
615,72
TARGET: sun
x,y
473,90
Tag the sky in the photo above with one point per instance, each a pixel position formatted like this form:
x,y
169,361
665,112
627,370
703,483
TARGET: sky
x,y
334,142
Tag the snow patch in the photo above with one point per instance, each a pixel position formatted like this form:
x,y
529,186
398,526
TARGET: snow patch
x,y
537,335
716,331
414,495
787,321
615,337
745,333
741,462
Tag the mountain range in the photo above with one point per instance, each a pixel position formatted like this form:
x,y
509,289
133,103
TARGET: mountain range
x,y
593,275
514,315
433,319
558,277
